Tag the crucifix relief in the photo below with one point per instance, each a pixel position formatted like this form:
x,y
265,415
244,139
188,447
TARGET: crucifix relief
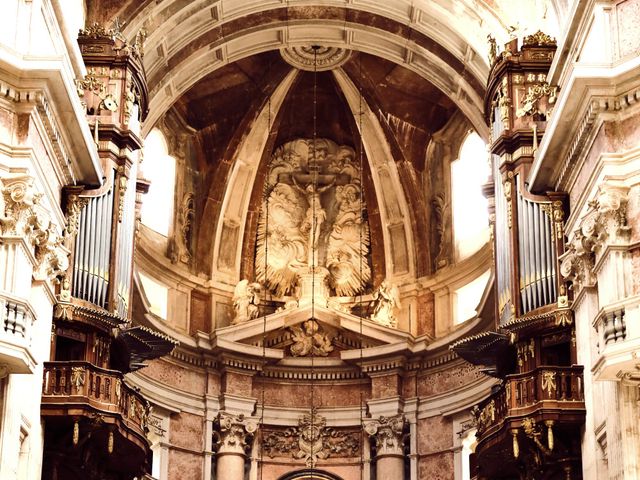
x,y
312,186
311,222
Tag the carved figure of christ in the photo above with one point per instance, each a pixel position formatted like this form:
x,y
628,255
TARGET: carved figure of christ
x,y
312,186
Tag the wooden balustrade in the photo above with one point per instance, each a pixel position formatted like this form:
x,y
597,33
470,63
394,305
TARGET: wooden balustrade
x,y
79,382
525,393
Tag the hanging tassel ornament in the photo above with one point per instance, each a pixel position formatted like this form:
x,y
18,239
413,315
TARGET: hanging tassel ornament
x,y
76,433
110,443
516,447
549,424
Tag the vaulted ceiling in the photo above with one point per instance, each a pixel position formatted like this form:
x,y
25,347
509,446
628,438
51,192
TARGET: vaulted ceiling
x,y
411,66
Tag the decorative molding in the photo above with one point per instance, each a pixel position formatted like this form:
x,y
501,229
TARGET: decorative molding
x,y
534,94
75,204
312,440
184,231
597,106
315,58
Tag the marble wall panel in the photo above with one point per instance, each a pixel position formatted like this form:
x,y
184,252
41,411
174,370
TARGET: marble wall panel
x,y
237,384
184,465
228,246
7,120
180,378
186,431
435,435
299,395
446,380
436,467
628,14
386,386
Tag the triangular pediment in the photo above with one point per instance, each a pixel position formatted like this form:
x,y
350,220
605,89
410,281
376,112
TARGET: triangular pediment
x,y
347,331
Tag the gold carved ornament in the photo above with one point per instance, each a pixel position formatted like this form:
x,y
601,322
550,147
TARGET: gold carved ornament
x,y
539,39
549,383
122,191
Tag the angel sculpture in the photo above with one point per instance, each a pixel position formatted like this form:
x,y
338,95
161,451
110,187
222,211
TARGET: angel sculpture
x,y
245,301
386,299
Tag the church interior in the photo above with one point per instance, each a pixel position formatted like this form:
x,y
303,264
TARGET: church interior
x,y
320,239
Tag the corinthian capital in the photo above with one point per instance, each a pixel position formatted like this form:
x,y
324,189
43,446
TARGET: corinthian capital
x,y
611,219
234,433
388,433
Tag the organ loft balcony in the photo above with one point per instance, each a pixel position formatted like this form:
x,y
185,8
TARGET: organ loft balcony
x,y
532,421
92,408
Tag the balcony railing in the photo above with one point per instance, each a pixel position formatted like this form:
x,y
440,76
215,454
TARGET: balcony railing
x,y
16,331
524,394
618,340
76,383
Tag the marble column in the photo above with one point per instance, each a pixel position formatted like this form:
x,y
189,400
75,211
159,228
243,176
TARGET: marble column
x,y
233,438
388,435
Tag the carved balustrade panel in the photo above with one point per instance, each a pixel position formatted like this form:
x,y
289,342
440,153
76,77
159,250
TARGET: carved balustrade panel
x,y
525,393
100,389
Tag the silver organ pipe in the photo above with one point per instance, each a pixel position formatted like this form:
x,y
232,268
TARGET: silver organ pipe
x,y
536,251
503,249
91,253
124,259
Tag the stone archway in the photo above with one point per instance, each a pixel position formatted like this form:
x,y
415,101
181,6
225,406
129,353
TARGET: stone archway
x,y
309,474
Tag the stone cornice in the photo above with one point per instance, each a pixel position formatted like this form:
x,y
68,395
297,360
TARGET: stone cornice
x,y
590,96
49,92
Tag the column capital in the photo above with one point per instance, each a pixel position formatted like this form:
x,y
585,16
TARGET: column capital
x,y
233,433
388,433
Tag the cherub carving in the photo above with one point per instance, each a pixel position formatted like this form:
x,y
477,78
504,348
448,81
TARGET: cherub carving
x,y
309,340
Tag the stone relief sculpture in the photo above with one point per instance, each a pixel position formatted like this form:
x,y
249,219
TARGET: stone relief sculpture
x,y
312,440
182,241
311,222
245,301
310,340
385,300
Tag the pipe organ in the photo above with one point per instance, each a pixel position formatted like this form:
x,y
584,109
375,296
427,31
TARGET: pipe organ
x,y
526,225
533,345
93,247
95,340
